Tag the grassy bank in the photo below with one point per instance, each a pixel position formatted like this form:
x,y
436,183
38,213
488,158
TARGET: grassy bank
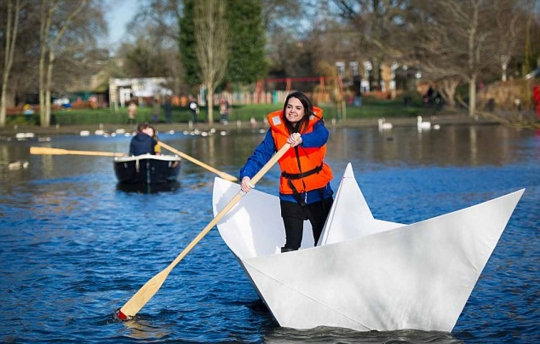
x,y
371,108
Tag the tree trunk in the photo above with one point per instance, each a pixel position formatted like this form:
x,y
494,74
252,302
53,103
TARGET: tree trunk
x,y
210,104
48,9
11,39
473,59
447,88
46,122
376,74
472,95
211,45
45,24
3,106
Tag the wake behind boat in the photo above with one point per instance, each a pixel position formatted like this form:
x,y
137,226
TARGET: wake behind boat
x,y
147,169
365,274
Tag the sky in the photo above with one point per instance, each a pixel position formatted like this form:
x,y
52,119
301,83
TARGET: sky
x,y
119,14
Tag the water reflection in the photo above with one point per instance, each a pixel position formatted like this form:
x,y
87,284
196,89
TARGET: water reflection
x,y
148,188
451,145
330,335
141,329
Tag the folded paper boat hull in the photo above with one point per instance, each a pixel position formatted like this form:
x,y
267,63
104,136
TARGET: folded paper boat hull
x,y
365,274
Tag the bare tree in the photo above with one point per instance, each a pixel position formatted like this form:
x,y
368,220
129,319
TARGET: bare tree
x,y
528,31
11,31
382,26
457,40
144,59
475,37
212,47
509,30
433,50
158,19
284,14
157,24
49,41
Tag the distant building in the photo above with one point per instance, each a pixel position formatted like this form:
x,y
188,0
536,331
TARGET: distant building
x,y
122,91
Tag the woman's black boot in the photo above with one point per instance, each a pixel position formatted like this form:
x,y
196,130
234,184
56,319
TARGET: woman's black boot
x,y
286,249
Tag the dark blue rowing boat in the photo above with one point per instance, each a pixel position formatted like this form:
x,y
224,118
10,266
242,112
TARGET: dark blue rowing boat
x,y
147,169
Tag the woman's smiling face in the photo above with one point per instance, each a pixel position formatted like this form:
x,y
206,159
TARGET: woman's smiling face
x,y
294,110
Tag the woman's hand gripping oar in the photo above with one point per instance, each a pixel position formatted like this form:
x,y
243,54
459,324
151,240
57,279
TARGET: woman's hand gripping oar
x,y
137,301
200,163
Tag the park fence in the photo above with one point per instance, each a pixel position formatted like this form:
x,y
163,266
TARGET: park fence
x,y
266,97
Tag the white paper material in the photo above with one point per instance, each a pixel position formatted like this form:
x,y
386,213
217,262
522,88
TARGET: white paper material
x,y
365,274
254,226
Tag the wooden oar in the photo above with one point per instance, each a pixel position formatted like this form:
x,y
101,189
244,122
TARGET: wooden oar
x,y
59,151
223,175
137,301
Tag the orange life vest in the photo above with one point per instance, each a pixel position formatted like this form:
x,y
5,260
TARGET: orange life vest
x,y
307,170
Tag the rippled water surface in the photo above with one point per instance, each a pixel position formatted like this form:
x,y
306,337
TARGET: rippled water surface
x,y
75,246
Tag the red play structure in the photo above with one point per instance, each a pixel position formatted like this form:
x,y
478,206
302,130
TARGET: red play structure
x,y
536,96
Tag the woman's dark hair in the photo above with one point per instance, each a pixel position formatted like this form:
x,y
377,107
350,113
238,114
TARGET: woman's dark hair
x,y
142,126
300,126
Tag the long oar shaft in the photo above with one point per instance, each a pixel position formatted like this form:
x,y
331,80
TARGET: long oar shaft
x,y
59,151
137,301
200,163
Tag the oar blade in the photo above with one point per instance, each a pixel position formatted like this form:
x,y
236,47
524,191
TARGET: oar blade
x,y
48,151
141,298
58,151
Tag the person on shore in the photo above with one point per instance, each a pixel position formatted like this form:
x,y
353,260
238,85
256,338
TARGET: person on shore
x,y
132,112
167,107
194,108
142,142
305,192
156,109
224,111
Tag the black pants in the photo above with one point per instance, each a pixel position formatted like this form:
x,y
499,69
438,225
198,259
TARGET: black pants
x,y
294,216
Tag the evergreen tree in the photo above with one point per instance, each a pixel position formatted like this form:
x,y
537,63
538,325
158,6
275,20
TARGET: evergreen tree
x,y
187,45
247,60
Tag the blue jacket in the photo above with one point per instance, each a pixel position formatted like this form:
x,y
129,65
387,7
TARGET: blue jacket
x,y
142,144
266,149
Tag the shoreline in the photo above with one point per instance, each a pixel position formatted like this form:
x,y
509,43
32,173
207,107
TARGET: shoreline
x,y
441,120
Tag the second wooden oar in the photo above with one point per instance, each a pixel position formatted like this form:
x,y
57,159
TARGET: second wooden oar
x,y
223,175
137,301
59,151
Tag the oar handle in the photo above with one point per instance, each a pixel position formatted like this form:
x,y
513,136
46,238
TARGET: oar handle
x,y
197,162
230,205
269,164
137,301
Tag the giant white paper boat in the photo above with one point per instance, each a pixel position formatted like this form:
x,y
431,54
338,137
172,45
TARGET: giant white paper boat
x,y
365,274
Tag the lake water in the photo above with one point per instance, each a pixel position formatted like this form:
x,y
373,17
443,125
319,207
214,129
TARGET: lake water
x,y
75,246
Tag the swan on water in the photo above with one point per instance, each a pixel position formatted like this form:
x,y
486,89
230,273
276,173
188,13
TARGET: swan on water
x,y
422,125
383,125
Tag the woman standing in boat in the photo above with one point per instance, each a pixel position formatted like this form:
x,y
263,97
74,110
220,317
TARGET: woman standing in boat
x,y
304,186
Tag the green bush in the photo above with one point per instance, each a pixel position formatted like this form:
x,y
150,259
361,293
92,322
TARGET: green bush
x,y
22,120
